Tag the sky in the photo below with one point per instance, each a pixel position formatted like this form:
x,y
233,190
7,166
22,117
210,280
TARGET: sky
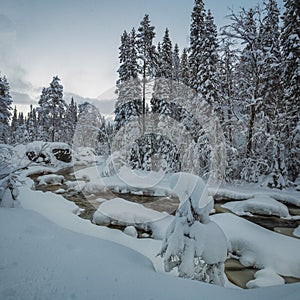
x,y
78,40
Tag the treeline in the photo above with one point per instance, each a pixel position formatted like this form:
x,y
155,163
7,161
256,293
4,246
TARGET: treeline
x,y
249,74
53,120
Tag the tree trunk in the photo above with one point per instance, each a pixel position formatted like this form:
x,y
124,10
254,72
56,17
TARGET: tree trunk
x,y
250,133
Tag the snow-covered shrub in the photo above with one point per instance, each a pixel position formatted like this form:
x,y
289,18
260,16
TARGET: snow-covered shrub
x,y
193,243
9,192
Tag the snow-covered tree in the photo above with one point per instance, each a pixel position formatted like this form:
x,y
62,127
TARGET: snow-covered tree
x,y
5,109
176,64
194,244
166,56
87,128
51,111
128,105
70,122
14,126
207,74
197,35
290,45
184,72
147,56
32,124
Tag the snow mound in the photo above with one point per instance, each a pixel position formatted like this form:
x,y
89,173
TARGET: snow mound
x,y
259,247
49,153
131,231
94,188
263,278
51,179
296,232
229,194
122,212
260,204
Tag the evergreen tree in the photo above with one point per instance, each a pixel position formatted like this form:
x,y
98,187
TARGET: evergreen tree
x,y
290,45
176,64
208,73
147,56
14,127
166,56
43,122
184,71
197,34
5,108
128,105
51,111
70,122
32,124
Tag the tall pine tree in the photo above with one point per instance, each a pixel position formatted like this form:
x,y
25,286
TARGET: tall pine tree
x,y
5,110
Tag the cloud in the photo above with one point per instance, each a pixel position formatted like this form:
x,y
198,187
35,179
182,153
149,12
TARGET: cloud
x,y
21,98
7,35
105,106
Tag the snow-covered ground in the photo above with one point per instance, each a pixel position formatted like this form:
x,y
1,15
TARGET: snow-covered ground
x,y
41,260
49,252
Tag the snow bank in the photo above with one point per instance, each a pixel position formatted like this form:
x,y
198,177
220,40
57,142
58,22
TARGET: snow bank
x,y
54,154
296,232
56,263
122,212
129,181
263,278
260,204
261,248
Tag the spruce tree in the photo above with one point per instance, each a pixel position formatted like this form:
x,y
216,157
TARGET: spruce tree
x,y
197,34
147,56
32,124
14,127
184,70
128,105
5,109
51,111
290,45
208,73
70,122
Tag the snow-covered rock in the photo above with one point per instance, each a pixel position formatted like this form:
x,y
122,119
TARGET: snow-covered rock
x,y
259,247
131,231
50,179
122,212
260,204
263,278
296,232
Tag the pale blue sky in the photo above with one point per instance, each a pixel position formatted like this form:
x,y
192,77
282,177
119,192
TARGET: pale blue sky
x,y
78,40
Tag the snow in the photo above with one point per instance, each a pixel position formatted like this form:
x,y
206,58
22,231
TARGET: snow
x,y
41,260
122,212
296,232
89,264
131,231
50,179
259,247
128,181
260,204
263,278
44,148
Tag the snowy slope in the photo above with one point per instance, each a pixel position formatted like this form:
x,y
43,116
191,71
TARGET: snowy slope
x,y
40,260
